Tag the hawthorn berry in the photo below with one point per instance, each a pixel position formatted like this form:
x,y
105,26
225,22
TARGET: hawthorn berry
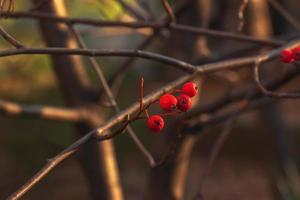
x,y
184,102
296,53
190,89
168,102
155,123
287,56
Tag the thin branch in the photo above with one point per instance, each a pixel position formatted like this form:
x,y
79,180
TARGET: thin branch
x,y
169,11
225,35
284,13
44,112
148,55
10,38
264,90
250,91
53,162
100,134
221,139
94,52
241,15
134,12
212,120
116,79
141,93
152,25
97,68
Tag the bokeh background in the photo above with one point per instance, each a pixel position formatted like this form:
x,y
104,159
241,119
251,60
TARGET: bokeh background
x,y
249,164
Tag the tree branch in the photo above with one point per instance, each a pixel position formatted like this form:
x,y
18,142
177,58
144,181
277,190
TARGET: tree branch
x,y
137,25
10,38
100,133
97,68
44,112
169,11
285,14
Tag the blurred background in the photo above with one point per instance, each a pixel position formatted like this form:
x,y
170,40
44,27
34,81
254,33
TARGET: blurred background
x,y
253,162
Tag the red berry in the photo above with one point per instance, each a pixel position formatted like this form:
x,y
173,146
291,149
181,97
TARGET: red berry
x,y
287,56
155,123
168,102
296,53
184,102
190,89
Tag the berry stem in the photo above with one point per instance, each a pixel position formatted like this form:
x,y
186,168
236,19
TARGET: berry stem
x,y
176,91
171,113
147,113
141,93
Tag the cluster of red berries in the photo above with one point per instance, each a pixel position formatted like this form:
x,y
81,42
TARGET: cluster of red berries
x,y
169,103
290,55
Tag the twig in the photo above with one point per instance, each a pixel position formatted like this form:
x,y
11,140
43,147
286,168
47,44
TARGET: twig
x,y
224,35
141,93
284,13
99,132
50,165
220,141
250,91
172,146
10,39
116,79
44,112
241,14
134,12
152,25
94,52
142,98
111,98
265,91
169,11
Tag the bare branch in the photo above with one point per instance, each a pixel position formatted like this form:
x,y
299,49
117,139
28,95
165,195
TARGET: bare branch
x,y
221,139
134,12
10,38
97,68
266,91
137,25
169,10
100,134
284,13
49,166
94,52
44,112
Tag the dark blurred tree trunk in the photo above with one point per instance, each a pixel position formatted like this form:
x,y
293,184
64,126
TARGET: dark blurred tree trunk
x,y
168,181
274,124
97,159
